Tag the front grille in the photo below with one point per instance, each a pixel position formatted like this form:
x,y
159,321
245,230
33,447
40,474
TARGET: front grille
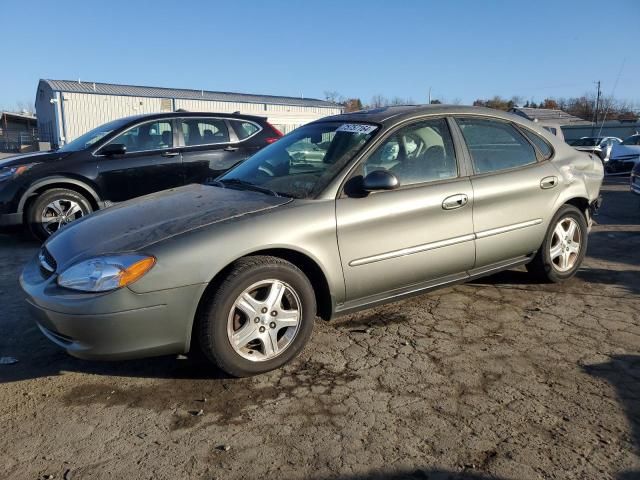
x,y
48,264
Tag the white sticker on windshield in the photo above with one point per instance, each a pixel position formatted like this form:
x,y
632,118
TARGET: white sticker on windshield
x,y
357,128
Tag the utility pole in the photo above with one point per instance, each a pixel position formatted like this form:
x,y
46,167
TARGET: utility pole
x,y
597,108
429,95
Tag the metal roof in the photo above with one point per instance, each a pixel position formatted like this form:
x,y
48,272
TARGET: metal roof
x,y
75,86
25,116
548,115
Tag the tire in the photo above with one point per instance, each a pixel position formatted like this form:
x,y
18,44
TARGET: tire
x,y
261,344
547,265
61,206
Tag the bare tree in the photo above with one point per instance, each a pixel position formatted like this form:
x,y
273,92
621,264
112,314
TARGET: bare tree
x,y
333,96
378,101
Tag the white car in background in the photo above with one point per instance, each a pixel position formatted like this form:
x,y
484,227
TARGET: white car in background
x,y
601,146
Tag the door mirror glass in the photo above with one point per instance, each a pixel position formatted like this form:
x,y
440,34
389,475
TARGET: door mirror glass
x,y
113,149
380,180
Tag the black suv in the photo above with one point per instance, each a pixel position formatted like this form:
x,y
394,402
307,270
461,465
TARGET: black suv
x,y
124,159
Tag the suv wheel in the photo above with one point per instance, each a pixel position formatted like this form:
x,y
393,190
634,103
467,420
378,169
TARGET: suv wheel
x,y
564,246
54,209
259,318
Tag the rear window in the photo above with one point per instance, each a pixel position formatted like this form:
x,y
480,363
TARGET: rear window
x,y
633,140
495,145
541,144
244,129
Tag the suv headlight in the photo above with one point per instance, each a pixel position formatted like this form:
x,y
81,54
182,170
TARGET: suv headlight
x,y
8,173
102,274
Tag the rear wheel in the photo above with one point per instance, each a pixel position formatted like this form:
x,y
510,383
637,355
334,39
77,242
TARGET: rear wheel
x,y
259,318
564,246
54,209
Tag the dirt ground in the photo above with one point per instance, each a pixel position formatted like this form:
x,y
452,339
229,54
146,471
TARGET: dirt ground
x,y
501,378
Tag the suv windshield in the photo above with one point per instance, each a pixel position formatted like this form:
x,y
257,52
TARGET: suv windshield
x,y
632,140
92,136
302,164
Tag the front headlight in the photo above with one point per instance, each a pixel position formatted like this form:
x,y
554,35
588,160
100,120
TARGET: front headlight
x,y
7,173
102,274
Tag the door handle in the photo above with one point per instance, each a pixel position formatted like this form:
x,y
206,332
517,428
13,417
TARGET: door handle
x,y
548,182
230,149
170,154
455,201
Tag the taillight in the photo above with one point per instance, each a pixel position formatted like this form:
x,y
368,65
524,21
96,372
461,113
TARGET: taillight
x,y
277,133
271,139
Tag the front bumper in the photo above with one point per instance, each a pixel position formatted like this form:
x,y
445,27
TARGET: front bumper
x,y
635,184
10,219
114,325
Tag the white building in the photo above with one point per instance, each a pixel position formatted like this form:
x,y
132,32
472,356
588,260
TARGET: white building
x,y
67,109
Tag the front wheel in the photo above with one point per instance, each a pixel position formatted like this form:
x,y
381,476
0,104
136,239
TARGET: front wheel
x,y
564,246
54,209
259,318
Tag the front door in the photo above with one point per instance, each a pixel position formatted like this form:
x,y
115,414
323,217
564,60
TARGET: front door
x,y
514,189
393,241
151,162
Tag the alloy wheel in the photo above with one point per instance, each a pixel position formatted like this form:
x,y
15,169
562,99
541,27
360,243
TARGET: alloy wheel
x,y
59,213
565,245
264,320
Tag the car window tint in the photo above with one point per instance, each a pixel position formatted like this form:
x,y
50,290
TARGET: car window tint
x,y
204,131
495,145
147,136
244,129
541,144
418,153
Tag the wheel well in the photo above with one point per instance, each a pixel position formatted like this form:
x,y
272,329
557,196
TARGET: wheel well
x,y
308,266
69,186
581,204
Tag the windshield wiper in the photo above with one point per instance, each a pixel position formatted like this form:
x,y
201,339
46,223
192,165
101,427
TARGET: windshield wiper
x,y
249,186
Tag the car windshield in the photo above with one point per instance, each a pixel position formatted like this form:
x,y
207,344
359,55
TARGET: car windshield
x,y
586,142
632,140
301,164
93,136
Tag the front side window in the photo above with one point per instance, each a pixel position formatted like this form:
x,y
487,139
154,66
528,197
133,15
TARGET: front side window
x,y
495,145
203,131
244,129
303,163
147,136
418,153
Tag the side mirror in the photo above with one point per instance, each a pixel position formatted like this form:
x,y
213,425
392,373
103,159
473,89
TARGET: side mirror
x,y
113,149
380,180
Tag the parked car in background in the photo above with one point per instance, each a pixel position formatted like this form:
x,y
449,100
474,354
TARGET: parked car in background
x,y
601,146
625,156
404,200
123,159
635,179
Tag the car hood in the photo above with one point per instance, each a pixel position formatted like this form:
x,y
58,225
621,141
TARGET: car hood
x,y
138,223
624,151
26,158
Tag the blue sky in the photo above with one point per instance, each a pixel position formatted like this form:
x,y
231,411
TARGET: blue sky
x,y
461,49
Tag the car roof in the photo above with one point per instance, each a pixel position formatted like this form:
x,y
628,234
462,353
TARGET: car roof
x,y
185,114
397,113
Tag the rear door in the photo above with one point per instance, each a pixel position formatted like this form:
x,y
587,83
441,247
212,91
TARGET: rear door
x,y
392,241
151,163
514,189
210,148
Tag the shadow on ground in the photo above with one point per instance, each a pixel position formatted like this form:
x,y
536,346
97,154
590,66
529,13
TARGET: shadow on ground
x,y
623,373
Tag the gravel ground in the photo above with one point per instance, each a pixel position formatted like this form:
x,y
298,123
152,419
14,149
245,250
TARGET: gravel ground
x,y
500,378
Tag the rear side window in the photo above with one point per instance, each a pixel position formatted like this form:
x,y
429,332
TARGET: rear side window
x,y
204,131
495,145
244,129
541,144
